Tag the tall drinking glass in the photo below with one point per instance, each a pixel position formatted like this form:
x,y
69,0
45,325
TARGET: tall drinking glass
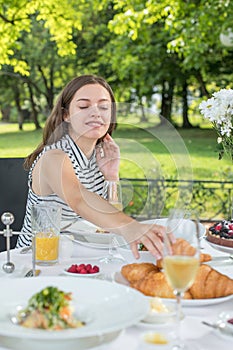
x,y
45,221
181,269
113,193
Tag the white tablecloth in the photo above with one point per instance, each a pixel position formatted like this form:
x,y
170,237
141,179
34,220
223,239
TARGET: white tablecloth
x,y
199,336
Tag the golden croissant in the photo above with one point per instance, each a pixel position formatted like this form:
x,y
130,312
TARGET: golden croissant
x,y
208,283
182,247
155,284
135,272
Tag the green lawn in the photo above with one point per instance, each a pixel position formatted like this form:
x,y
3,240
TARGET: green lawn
x,y
144,152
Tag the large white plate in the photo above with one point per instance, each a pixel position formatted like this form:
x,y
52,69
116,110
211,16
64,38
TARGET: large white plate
x,y
221,248
84,232
117,277
183,227
107,308
94,240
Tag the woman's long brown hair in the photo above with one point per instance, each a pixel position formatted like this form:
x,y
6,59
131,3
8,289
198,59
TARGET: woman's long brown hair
x,y
55,126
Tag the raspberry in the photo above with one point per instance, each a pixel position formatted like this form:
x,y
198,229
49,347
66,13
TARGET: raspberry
x,y
72,268
82,266
83,271
88,267
78,269
95,268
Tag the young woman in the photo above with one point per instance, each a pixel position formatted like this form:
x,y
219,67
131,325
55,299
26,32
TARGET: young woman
x,y
77,155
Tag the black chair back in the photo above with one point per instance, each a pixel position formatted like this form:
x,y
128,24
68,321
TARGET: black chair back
x,y
13,194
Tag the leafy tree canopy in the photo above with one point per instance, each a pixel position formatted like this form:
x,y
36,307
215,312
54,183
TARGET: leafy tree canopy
x,y
61,18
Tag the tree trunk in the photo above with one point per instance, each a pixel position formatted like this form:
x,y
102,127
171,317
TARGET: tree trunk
x,y
34,110
143,115
186,123
204,91
6,111
18,106
167,98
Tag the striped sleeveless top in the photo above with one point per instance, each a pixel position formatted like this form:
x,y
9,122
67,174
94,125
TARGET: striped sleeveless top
x,y
86,170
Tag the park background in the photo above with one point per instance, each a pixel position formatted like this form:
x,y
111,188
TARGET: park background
x,y
162,58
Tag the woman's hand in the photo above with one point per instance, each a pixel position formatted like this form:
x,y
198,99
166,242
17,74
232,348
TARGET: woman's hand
x,y
152,238
108,158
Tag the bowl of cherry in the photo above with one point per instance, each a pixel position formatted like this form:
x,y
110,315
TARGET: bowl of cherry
x,y
82,270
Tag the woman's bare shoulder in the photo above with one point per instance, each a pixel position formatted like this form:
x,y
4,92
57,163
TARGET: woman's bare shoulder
x,y
53,158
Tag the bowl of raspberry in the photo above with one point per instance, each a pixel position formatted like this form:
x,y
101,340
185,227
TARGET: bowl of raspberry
x,y
82,270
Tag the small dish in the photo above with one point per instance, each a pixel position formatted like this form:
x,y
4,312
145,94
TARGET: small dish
x,y
80,274
156,340
160,312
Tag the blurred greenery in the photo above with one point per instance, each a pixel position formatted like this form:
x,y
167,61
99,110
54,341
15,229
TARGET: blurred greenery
x,y
143,150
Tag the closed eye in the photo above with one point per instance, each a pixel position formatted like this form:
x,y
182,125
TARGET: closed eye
x,y
104,107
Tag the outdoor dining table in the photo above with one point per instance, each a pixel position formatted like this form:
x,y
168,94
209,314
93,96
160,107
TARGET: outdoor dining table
x,y
197,335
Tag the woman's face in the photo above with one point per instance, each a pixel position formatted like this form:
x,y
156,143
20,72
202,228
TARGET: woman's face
x,y
90,112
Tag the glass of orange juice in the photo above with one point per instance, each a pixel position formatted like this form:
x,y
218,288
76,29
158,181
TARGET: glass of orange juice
x,y
46,219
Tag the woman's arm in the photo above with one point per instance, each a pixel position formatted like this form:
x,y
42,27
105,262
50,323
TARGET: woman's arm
x,y
56,174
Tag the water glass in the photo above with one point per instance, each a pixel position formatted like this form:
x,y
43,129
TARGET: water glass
x,y
46,221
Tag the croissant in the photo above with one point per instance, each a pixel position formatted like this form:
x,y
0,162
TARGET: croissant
x,y
182,247
155,284
210,283
135,272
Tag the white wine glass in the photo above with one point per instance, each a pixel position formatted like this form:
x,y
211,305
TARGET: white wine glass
x,y
113,194
181,268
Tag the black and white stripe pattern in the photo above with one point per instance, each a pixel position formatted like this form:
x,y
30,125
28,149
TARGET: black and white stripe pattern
x,y
86,170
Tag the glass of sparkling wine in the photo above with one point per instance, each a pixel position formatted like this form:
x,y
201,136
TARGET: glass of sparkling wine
x,y
113,194
181,268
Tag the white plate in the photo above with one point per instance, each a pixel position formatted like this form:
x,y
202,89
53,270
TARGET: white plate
x,y
117,277
80,239
107,307
80,274
182,230
84,231
127,254
221,248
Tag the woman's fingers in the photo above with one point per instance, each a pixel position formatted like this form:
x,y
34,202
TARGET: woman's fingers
x,y
152,239
154,245
134,249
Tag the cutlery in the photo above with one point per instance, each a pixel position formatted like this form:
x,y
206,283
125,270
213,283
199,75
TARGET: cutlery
x,y
30,273
24,250
221,326
221,258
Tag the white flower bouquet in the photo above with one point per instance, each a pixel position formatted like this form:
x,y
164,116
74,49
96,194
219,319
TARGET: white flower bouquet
x,y
219,110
